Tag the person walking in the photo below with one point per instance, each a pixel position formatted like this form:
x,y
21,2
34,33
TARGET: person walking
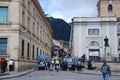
x,y
105,69
57,63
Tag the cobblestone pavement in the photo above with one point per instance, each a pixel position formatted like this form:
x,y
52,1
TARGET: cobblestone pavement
x,y
62,75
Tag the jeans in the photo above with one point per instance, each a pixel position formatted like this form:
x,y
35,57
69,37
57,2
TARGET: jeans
x,y
105,76
11,68
57,68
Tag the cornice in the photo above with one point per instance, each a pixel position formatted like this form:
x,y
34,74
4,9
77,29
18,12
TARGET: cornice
x,y
36,3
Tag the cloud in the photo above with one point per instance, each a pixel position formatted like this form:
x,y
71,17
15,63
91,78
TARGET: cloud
x,y
67,9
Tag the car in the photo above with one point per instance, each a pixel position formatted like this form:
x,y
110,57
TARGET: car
x,y
41,65
70,63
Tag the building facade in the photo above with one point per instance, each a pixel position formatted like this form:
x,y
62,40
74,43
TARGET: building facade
x,y
111,8
24,32
108,8
91,32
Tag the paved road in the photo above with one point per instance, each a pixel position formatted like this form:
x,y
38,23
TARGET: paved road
x,y
62,75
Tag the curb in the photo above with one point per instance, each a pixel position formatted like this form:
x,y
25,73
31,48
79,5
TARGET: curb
x,y
15,75
93,73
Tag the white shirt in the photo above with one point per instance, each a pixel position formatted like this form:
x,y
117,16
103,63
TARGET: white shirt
x,y
10,62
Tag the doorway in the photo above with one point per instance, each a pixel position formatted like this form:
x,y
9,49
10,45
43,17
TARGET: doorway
x,y
94,54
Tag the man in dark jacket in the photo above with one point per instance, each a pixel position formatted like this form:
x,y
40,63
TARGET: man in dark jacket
x,y
105,69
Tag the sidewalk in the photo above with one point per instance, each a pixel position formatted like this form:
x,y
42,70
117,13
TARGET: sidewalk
x,y
95,72
14,74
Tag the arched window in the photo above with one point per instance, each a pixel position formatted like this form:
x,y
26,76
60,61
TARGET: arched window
x,y
94,43
110,7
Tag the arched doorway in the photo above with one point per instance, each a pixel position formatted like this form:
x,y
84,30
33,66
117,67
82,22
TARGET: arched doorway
x,y
94,51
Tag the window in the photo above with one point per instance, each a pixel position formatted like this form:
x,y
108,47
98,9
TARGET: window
x,y
3,14
33,28
28,50
28,24
23,19
29,5
3,46
33,52
37,32
37,51
40,52
110,8
34,12
94,43
22,48
93,32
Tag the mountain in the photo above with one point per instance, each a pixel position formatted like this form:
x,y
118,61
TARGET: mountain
x,y
61,29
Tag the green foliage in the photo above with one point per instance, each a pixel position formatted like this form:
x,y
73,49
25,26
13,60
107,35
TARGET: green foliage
x,y
61,29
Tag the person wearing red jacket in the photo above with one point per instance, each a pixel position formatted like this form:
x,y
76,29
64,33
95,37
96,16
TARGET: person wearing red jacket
x,y
1,62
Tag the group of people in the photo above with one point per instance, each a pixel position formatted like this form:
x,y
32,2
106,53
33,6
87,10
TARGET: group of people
x,y
47,64
54,64
79,65
4,63
105,69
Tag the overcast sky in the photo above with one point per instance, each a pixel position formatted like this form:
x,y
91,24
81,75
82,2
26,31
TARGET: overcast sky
x,y
67,9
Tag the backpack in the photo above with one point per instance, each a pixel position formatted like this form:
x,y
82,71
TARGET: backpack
x,y
57,62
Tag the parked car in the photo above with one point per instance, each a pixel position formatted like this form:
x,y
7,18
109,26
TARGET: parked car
x,y
70,64
41,65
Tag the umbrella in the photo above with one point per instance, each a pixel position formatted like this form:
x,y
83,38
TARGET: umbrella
x,y
40,57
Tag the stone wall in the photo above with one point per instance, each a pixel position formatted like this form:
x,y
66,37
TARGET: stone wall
x,y
23,65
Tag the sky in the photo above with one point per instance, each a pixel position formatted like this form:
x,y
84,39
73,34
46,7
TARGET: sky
x,y
67,9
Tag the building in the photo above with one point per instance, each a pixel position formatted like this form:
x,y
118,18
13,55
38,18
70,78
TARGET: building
x,y
108,8
24,32
57,49
91,32
111,8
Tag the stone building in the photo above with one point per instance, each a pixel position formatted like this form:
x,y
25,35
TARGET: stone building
x,y
91,32
108,8
111,8
24,32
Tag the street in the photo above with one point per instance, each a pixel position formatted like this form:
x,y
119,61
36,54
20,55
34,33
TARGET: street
x,y
62,75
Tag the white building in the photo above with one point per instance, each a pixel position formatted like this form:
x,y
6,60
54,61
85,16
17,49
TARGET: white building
x,y
89,34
